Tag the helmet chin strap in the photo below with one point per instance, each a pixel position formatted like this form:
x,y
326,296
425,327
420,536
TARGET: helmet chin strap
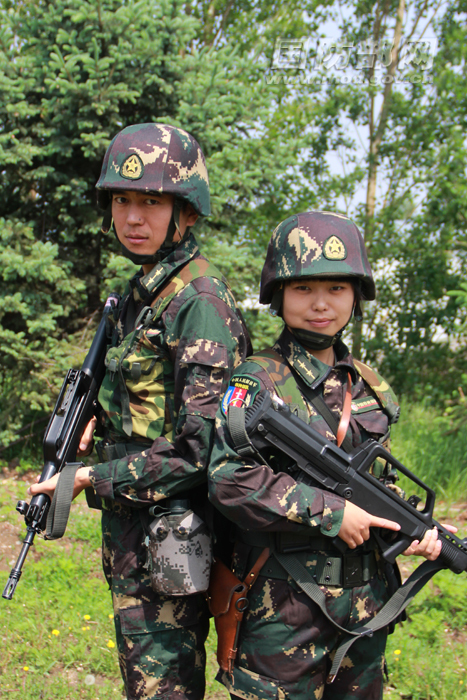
x,y
166,248
315,341
319,341
311,339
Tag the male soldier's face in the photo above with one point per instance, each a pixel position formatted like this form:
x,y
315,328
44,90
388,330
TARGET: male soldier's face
x,y
322,306
141,220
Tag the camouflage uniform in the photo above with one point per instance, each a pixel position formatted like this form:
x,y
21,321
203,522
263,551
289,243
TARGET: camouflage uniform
x,y
176,338
286,644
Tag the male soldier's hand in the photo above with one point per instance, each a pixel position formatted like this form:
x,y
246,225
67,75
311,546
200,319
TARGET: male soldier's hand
x,y
82,481
356,523
87,443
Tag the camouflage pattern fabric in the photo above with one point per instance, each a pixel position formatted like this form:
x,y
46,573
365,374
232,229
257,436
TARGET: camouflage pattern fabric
x,y
198,338
160,639
315,243
156,158
286,644
135,391
181,554
285,647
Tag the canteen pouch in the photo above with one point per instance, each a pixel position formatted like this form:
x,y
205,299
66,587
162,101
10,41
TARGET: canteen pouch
x,y
179,550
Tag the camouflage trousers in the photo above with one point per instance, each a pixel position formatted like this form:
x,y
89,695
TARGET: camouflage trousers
x,y
160,639
286,644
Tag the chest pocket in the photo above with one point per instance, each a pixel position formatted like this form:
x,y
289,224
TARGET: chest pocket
x,y
371,420
137,392
138,387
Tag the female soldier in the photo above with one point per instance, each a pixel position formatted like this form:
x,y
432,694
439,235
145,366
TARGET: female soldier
x,y
177,335
315,274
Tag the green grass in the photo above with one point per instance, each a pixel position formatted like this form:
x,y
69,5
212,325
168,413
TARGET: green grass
x,y
422,441
427,655
57,634
62,590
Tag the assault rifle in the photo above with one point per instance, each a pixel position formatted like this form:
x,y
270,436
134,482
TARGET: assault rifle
x,y
74,409
269,423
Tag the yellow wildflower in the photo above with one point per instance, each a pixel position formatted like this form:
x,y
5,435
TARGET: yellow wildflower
x,y
110,644
87,617
55,632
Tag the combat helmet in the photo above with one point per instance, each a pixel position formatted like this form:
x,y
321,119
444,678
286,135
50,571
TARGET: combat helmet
x,y
315,244
155,158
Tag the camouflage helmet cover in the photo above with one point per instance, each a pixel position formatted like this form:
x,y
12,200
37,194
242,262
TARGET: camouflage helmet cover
x,y
315,243
156,158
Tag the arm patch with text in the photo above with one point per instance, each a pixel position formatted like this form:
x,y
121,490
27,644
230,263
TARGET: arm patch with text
x,y
241,392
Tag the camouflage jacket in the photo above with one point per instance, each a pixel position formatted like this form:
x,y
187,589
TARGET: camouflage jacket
x,y
166,370
266,497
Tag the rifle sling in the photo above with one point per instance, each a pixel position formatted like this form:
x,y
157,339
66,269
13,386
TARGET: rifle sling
x,y
59,511
317,401
388,613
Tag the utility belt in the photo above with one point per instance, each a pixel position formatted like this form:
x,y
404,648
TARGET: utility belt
x,y
326,565
107,451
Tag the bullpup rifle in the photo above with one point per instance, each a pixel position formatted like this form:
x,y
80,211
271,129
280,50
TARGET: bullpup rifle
x,y
269,423
73,410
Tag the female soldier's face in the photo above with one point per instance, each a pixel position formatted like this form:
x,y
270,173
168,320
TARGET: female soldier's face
x,y
141,219
322,306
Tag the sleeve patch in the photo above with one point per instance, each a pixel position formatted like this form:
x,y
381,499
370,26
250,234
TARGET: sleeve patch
x,y
241,392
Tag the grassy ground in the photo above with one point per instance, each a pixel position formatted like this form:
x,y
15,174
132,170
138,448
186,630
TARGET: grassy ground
x,y
57,637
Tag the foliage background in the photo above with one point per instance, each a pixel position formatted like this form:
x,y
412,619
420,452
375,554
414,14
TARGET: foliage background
x,y
390,154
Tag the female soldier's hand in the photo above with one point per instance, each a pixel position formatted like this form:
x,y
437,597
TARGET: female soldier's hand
x,y
356,523
430,546
87,443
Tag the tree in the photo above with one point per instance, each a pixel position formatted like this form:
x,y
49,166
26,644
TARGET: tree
x,y
396,103
73,74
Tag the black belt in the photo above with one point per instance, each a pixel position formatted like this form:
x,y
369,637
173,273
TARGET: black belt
x,y
326,565
287,542
116,450
345,571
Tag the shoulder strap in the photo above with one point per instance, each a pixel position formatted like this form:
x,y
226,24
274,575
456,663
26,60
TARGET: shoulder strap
x,y
388,613
200,267
382,390
282,381
291,389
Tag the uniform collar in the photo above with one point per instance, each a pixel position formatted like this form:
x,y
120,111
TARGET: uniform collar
x,y
311,370
144,286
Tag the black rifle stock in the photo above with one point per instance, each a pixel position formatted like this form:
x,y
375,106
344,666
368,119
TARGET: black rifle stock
x,y
270,423
73,411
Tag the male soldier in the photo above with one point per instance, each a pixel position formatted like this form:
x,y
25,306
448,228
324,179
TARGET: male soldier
x,y
177,335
